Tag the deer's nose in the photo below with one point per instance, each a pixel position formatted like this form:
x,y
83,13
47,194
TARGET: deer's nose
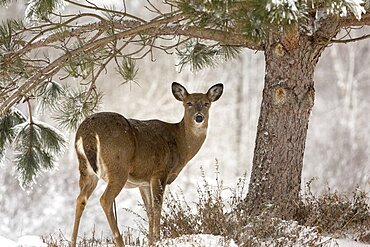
x,y
199,118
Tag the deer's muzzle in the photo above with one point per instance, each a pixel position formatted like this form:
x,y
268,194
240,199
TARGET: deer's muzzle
x,y
199,118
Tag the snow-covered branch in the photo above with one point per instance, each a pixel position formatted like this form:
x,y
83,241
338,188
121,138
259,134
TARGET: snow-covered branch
x,y
352,21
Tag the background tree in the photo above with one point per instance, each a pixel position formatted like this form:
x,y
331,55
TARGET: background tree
x,y
54,43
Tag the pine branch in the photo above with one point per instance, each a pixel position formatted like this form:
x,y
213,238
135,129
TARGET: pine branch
x,y
326,26
76,106
153,28
197,55
38,42
7,124
345,41
352,21
127,69
224,38
52,140
157,27
200,55
36,147
6,2
40,9
40,76
48,94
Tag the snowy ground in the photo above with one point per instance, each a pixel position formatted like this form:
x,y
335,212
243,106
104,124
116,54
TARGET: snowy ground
x,y
202,240
350,243
24,241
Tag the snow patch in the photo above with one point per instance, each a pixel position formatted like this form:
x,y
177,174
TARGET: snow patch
x,y
350,243
31,241
24,241
200,240
7,242
283,9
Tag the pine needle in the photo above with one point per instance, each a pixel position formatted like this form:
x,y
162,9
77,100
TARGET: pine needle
x,y
36,147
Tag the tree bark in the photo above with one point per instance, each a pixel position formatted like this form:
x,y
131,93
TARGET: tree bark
x,y
288,98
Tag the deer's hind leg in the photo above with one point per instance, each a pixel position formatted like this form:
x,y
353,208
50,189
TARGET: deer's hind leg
x,y
112,190
87,186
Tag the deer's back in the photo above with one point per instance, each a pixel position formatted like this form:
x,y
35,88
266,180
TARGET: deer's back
x,y
141,148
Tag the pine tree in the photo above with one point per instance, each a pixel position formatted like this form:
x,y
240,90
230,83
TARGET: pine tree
x,y
292,34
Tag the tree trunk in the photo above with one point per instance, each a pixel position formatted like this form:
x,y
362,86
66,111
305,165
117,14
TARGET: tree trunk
x,y
288,98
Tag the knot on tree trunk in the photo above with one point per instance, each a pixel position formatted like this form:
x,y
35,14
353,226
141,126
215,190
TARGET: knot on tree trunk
x,y
279,95
279,50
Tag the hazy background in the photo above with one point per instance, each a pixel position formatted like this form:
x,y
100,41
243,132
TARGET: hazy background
x,y
337,148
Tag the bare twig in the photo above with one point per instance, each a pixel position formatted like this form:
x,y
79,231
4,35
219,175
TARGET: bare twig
x,y
154,10
29,107
95,7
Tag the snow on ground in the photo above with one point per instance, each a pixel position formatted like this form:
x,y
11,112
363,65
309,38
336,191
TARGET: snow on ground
x,y
7,242
350,243
201,240
24,241
204,240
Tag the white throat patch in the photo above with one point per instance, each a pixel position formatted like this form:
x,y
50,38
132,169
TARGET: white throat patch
x,y
199,130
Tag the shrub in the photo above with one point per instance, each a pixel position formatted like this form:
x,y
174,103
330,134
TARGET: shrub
x,y
211,212
337,214
330,213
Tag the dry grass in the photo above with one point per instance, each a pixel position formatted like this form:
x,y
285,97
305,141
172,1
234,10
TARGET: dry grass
x,y
94,240
337,214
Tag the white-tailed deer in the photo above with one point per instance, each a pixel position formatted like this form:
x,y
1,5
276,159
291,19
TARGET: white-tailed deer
x,y
146,154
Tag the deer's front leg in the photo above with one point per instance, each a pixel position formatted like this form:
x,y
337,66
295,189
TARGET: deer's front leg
x,y
146,195
157,187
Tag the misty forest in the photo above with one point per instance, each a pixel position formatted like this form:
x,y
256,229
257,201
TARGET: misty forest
x,y
286,160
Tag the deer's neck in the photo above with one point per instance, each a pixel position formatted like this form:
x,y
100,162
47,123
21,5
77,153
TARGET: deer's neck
x,y
192,138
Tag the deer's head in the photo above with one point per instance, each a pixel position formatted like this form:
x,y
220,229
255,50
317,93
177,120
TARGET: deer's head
x,y
197,105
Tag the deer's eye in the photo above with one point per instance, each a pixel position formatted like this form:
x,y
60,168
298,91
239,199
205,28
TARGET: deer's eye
x,y
206,104
189,104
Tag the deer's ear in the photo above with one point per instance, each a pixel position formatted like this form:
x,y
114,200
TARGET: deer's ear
x,y
215,92
179,91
